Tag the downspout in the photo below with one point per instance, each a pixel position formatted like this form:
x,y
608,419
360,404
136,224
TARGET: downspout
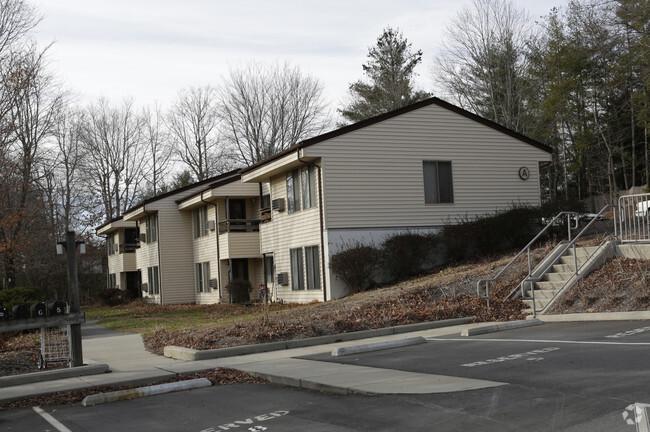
x,y
216,222
320,214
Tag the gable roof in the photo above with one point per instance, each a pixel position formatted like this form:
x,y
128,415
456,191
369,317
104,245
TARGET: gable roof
x,y
391,114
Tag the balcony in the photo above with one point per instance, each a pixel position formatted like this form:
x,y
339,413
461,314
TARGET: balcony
x,y
123,261
239,238
239,225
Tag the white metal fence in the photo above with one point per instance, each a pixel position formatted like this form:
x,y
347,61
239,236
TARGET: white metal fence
x,y
634,217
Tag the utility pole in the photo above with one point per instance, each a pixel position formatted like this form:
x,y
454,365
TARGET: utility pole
x,y
70,245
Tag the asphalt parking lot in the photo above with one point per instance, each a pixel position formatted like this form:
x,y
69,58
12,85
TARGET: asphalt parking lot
x,y
557,376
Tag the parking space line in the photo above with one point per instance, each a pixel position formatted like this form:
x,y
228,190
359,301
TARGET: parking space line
x,y
51,420
539,341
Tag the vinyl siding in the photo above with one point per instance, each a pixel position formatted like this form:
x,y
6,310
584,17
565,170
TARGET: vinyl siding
x,y
288,231
373,176
205,250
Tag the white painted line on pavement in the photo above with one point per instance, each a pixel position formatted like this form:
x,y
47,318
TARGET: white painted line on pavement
x,y
513,357
539,341
51,420
629,332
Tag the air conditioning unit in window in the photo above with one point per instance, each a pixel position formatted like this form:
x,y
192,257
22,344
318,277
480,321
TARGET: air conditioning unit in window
x,y
283,278
143,238
213,283
145,287
278,204
210,225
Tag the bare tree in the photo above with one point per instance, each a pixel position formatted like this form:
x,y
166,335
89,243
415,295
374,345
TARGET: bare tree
x,y
264,110
115,164
192,123
158,147
483,63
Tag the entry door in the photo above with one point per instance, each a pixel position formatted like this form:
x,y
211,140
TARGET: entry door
x,y
240,268
133,283
236,209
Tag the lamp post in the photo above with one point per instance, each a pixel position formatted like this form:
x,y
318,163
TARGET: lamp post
x,y
70,246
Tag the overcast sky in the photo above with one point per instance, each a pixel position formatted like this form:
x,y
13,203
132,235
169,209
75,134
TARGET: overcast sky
x,y
150,49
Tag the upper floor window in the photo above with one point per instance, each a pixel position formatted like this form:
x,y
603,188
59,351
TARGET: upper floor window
x,y
152,228
110,244
301,180
293,191
308,180
438,182
200,216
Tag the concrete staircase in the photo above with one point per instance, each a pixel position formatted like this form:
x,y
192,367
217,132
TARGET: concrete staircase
x,y
560,275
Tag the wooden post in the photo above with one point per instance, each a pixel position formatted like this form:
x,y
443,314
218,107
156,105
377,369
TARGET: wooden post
x,y
73,294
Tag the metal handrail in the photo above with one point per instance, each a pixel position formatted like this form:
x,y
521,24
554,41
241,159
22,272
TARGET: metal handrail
x,y
526,248
577,269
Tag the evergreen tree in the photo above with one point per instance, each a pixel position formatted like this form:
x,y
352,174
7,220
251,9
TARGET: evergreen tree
x,y
390,68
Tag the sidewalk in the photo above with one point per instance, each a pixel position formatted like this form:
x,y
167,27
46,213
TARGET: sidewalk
x,y
131,364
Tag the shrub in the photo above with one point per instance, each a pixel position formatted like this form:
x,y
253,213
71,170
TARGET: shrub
x,y
490,234
114,297
21,295
239,290
356,266
406,254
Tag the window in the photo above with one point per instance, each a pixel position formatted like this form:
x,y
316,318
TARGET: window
x,y
293,191
297,270
203,277
154,280
110,244
312,260
265,202
152,228
438,182
268,270
112,281
308,180
200,216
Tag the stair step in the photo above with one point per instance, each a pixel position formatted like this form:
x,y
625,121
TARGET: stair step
x,y
562,268
569,260
539,303
542,294
558,276
550,285
582,251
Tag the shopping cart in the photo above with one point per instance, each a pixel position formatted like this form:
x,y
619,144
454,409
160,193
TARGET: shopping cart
x,y
55,346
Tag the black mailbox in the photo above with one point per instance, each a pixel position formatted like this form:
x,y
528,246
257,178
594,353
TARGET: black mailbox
x,y
57,307
4,313
19,311
38,310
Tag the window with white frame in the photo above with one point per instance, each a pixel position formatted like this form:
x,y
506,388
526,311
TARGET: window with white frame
x,y
438,182
308,182
312,264
293,191
200,216
110,244
203,277
112,281
305,267
297,270
152,228
154,280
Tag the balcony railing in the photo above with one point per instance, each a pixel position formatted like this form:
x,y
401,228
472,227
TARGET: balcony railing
x,y
239,225
128,247
265,214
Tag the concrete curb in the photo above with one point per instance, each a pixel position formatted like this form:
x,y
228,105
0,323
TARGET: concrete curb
x,y
101,398
596,316
190,354
54,374
500,327
377,346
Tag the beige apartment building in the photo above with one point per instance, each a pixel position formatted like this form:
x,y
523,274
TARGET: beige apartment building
x,y
279,221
